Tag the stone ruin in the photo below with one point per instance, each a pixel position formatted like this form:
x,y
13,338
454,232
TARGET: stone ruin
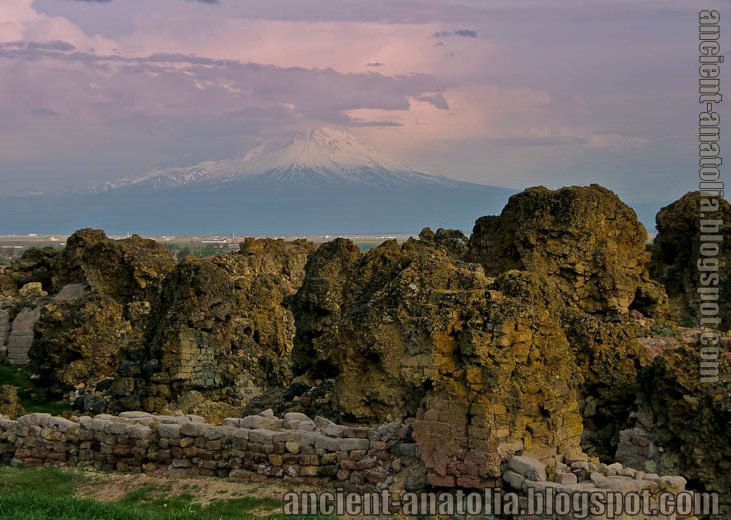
x,y
675,253
294,449
256,448
541,336
218,329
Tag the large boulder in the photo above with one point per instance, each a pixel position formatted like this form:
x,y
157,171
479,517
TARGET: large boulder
x,y
35,265
407,331
583,240
131,269
79,341
218,327
99,297
676,249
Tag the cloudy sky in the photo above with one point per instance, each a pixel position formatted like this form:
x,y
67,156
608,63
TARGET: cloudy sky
x,y
505,92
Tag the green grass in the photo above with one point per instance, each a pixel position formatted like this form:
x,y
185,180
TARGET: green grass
x,y
52,481
18,377
48,494
33,505
15,376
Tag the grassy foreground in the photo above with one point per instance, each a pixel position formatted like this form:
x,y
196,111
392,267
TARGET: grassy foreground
x,y
50,493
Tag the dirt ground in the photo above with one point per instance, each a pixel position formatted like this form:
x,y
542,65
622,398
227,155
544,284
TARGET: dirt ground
x,y
110,487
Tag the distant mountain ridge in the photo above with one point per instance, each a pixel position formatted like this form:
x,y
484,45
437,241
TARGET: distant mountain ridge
x,y
319,181
310,156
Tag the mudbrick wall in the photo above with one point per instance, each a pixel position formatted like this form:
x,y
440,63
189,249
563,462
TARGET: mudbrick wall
x,y
295,449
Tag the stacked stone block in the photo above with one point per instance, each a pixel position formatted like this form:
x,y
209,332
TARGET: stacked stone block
x,y
21,336
255,448
293,449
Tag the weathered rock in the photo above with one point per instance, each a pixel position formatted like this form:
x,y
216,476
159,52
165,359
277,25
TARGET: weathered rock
x,y
317,304
90,403
193,402
279,258
32,290
691,419
405,330
515,480
131,269
35,265
528,467
676,249
610,359
452,240
81,330
217,327
70,292
584,240
9,403
79,341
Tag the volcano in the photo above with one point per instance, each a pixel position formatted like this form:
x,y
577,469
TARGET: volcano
x,y
319,181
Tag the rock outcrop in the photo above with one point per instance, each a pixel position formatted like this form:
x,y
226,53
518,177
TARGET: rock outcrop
x,y
584,240
610,359
676,249
78,341
99,290
405,331
127,270
499,345
680,424
218,327
35,265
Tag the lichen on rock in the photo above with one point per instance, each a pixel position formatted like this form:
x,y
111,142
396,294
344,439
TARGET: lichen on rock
x,y
9,403
676,250
407,331
79,342
217,327
584,240
130,269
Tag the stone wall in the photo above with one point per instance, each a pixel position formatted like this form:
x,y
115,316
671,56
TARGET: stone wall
x,y
294,449
254,448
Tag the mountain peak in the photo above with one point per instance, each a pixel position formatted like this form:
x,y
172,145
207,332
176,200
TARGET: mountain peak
x,y
325,136
318,149
314,155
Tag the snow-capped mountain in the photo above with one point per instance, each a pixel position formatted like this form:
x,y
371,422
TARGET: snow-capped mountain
x,y
320,155
321,181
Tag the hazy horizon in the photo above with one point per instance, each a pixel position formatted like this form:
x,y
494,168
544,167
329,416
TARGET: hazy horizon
x,y
510,94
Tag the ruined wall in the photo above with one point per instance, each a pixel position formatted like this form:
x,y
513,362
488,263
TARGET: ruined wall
x,y
254,448
218,328
407,331
293,449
